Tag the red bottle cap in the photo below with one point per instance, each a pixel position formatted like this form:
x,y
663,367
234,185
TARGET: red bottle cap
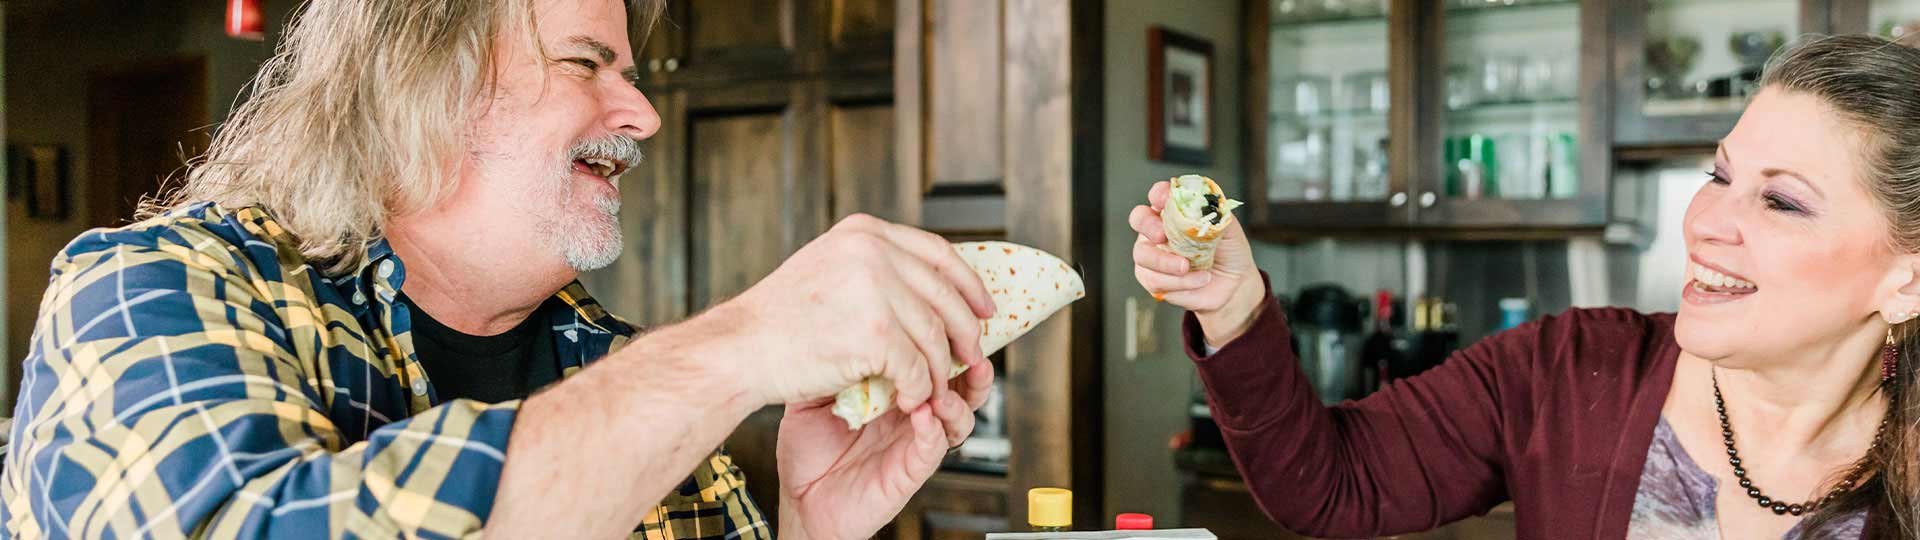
x,y
1133,522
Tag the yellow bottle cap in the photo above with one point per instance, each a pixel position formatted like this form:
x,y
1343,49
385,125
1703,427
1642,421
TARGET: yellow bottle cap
x,y
1049,507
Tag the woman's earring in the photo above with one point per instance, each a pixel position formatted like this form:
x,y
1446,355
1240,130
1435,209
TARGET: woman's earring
x,y
1889,358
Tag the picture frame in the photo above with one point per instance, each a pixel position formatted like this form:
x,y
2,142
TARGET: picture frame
x,y
41,174
1180,104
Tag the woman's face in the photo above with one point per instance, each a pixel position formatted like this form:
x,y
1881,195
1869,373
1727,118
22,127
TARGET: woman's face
x,y
1787,250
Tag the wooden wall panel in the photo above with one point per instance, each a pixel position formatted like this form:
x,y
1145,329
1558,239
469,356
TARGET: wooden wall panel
x,y
963,70
860,23
738,203
722,27
1038,143
863,162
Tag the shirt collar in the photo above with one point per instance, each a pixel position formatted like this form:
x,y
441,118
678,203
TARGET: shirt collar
x,y
383,273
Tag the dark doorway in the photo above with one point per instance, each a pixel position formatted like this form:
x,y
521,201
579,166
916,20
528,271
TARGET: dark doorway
x,y
144,120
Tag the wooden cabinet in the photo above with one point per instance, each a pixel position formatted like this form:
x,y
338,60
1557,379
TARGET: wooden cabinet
x,y
1684,68
1625,80
991,95
718,41
780,117
777,120
954,506
1385,119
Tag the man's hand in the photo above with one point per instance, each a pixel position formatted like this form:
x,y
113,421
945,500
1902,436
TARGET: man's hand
x,y
868,298
1224,297
837,483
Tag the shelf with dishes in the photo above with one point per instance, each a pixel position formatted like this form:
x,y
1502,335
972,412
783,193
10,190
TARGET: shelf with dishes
x,y
1289,13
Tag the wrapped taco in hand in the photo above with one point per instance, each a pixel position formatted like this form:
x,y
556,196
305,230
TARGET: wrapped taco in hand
x,y
1028,285
1196,213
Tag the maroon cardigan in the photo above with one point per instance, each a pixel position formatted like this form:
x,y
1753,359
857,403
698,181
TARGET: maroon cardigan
x,y
1555,415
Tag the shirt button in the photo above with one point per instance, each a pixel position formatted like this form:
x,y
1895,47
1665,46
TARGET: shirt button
x,y
359,297
419,387
386,269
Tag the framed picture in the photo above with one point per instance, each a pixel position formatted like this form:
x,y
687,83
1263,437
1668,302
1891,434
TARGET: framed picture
x,y
1179,97
40,173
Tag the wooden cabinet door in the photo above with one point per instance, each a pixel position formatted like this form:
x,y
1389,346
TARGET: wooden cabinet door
x,y
707,41
735,182
738,179
952,506
859,35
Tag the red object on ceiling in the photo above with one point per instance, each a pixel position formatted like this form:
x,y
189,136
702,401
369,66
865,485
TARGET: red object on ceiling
x,y
244,20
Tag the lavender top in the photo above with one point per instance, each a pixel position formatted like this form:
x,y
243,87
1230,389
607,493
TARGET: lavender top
x,y
1676,499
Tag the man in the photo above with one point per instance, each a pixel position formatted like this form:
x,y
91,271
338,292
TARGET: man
x,y
328,331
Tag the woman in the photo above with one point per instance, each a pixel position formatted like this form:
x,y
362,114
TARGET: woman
x,y
1804,253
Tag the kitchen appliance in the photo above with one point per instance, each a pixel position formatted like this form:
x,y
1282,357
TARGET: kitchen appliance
x,y
1328,324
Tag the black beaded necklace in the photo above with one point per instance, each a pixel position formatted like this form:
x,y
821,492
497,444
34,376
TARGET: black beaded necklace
x,y
1778,507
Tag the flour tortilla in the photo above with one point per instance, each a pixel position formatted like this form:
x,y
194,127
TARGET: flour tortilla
x,y
1027,284
1190,232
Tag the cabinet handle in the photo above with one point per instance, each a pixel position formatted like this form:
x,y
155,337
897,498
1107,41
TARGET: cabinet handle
x,y
1427,199
673,64
653,65
1398,199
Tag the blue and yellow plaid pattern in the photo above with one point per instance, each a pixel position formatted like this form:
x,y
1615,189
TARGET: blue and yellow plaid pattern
x,y
192,376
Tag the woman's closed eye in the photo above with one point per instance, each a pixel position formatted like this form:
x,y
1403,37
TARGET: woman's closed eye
x,y
1774,201
1781,203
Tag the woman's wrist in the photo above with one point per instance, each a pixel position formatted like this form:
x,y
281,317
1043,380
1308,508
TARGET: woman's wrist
x,y
1232,320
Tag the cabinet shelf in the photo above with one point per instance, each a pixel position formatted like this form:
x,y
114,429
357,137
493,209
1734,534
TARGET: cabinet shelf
x,y
1496,7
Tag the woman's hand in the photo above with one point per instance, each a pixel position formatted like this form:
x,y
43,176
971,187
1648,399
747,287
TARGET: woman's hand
x,y
1224,298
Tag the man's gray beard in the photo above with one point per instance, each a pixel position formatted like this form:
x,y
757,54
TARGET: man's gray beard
x,y
585,244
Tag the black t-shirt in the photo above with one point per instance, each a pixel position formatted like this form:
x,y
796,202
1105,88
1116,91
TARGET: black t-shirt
x,y
489,369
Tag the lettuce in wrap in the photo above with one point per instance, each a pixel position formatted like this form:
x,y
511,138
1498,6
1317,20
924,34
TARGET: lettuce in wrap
x,y
1196,213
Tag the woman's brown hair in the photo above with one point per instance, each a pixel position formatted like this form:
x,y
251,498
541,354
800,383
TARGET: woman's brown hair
x,y
1874,84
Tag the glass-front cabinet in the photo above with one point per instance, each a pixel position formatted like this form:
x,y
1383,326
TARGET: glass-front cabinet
x,y
1499,118
1510,151
1424,115
1328,100
1896,19
1689,66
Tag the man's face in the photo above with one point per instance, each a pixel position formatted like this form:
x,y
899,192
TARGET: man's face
x,y
547,152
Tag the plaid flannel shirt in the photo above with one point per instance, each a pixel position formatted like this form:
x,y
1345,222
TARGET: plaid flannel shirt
x,y
193,376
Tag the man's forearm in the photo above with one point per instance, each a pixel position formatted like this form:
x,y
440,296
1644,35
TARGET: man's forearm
x,y
590,454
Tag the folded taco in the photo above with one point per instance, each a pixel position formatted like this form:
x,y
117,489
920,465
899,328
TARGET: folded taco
x,y
1196,213
1027,284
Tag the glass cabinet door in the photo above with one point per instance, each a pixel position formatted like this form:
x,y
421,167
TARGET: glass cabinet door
x,y
1896,19
1705,56
1511,126
1687,67
1328,101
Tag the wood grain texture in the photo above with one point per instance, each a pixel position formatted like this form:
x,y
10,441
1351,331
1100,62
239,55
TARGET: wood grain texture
x,y
647,285
953,505
1038,143
1256,82
909,105
860,22
737,204
717,27
963,77
1596,126
1416,47
863,162
1847,16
